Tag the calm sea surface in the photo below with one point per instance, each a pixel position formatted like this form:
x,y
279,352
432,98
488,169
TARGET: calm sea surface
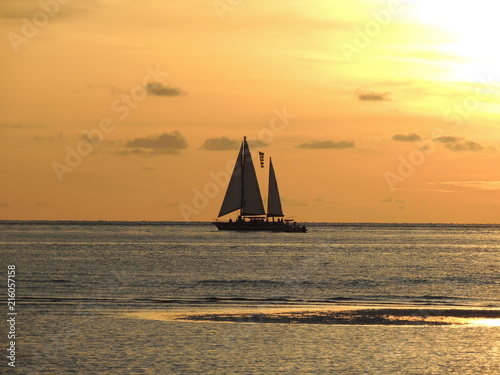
x,y
88,297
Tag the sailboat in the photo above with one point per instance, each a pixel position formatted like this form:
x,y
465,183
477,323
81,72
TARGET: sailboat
x,y
243,193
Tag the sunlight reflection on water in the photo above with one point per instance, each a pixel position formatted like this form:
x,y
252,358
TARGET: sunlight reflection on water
x,y
487,322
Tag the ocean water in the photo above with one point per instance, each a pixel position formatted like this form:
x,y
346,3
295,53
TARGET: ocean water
x,y
98,298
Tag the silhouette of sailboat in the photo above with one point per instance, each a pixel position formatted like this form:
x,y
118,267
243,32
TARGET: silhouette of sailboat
x,y
243,193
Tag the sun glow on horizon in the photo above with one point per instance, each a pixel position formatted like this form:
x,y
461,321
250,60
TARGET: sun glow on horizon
x,y
468,32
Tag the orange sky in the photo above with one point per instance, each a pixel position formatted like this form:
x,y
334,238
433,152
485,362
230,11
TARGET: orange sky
x,y
373,111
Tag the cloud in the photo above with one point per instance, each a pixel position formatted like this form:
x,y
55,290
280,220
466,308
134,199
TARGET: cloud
x,y
19,9
134,151
411,137
91,138
327,145
157,89
372,96
113,90
257,143
53,138
459,144
298,22
158,144
465,146
479,185
220,144
391,200
10,125
224,144
448,139
146,152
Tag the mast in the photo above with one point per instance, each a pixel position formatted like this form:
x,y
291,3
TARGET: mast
x,y
243,155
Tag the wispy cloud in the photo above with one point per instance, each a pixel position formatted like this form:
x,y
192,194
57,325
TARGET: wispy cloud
x,y
327,145
19,9
478,185
295,22
52,138
220,144
157,89
393,201
8,125
257,143
460,144
448,139
412,137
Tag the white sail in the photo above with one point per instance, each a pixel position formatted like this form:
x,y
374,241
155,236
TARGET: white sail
x,y
251,197
273,201
232,199
243,190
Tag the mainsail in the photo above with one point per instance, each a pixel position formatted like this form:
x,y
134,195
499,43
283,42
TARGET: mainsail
x,y
232,199
243,191
273,201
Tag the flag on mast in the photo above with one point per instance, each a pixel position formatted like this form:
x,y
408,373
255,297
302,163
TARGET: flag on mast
x,y
261,156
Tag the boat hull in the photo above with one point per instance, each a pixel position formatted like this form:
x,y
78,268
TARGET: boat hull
x,y
259,226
